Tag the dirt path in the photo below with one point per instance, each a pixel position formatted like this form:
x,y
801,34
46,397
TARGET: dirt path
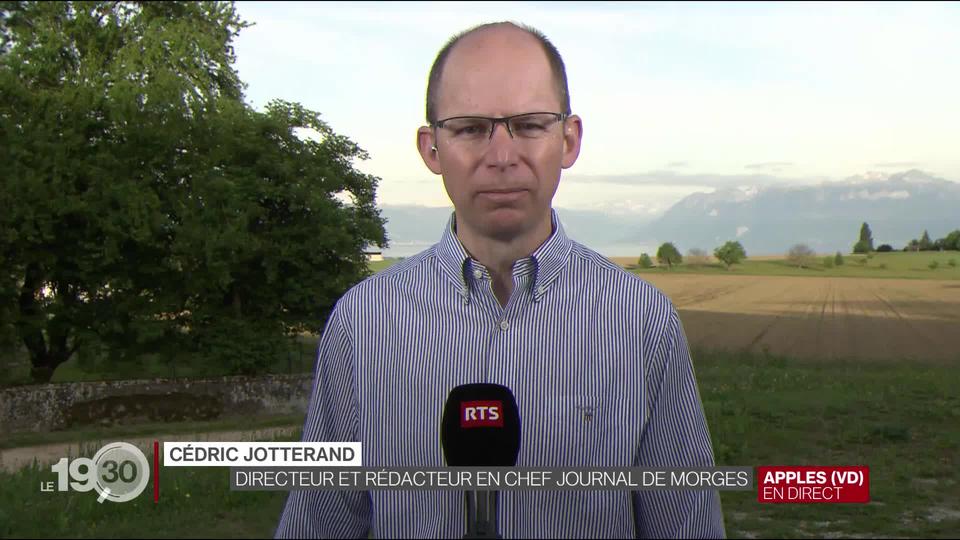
x,y
13,459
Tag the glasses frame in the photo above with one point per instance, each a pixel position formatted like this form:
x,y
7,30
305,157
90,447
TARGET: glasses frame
x,y
505,120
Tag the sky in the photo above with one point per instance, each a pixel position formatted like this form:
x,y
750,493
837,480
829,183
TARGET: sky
x,y
675,97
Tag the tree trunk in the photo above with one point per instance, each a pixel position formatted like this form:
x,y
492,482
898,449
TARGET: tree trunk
x,y
46,351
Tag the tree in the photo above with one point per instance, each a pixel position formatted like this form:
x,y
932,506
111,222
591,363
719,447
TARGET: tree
x,y
730,253
645,261
925,244
884,248
697,256
838,259
801,255
952,240
865,244
669,254
147,208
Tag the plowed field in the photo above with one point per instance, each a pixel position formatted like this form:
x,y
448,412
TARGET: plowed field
x,y
819,317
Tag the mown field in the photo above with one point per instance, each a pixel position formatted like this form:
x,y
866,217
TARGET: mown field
x,y
826,318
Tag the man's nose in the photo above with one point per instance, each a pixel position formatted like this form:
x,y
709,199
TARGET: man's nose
x,y
501,151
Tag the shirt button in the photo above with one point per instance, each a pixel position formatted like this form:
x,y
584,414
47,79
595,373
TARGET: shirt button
x,y
478,273
504,325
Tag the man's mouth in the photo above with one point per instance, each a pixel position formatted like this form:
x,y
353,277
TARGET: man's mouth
x,y
502,195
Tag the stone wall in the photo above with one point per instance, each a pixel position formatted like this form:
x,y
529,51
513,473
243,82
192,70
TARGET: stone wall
x,y
50,407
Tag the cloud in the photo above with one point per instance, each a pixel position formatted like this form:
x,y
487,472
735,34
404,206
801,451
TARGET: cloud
x,y
678,164
773,166
707,180
899,165
714,213
742,230
876,195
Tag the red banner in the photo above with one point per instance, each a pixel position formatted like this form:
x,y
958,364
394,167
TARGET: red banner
x,y
813,484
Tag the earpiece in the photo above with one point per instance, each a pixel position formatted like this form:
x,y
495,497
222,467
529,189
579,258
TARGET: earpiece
x,y
433,148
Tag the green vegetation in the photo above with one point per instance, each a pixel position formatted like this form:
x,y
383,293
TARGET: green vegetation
x,y
865,243
907,265
147,208
645,261
895,417
669,255
730,253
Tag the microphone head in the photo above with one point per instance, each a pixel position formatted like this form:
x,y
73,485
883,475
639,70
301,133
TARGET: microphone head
x,y
480,426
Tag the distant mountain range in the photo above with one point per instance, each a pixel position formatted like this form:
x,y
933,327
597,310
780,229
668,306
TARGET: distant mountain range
x,y
766,220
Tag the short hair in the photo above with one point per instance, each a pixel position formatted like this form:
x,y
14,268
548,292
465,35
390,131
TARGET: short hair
x,y
553,56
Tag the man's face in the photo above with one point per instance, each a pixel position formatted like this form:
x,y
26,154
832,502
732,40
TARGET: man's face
x,y
502,187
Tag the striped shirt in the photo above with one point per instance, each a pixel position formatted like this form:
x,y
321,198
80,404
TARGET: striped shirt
x,y
595,356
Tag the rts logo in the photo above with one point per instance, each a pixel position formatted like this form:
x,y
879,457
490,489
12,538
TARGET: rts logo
x,y
475,414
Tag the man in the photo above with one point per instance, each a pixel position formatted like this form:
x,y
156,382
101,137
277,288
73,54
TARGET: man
x,y
596,357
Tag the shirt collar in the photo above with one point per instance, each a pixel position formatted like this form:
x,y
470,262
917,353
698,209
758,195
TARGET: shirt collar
x,y
548,260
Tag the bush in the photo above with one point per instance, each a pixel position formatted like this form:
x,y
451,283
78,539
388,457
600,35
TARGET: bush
x,y
828,262
645,261
883,266
933,265
952,263
884,248
801,255
838,259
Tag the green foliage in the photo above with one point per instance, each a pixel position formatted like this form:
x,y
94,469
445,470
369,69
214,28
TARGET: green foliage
x,y
645,261
668,254
952,263
838,259
934,265
146,207
865,243
730,253
925,244
884,248
828,262
952,240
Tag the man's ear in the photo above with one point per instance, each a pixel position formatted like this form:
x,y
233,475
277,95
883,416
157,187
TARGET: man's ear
x,y
427,145
572,135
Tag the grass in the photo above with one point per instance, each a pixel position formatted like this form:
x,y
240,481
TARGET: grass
x,y
910,265
899,418
195,502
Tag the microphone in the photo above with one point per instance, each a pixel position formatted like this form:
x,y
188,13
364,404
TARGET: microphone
x,y
481,428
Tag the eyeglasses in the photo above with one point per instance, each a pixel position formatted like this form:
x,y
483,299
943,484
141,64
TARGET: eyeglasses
x,y
479,129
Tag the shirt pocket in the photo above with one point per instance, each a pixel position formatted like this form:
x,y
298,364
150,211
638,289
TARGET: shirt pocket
x,y
590,431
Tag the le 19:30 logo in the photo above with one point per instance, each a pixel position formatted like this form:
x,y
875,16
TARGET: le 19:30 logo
x,y
119,472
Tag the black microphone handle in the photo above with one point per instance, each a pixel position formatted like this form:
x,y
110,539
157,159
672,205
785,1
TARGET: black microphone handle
x,y
481,507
